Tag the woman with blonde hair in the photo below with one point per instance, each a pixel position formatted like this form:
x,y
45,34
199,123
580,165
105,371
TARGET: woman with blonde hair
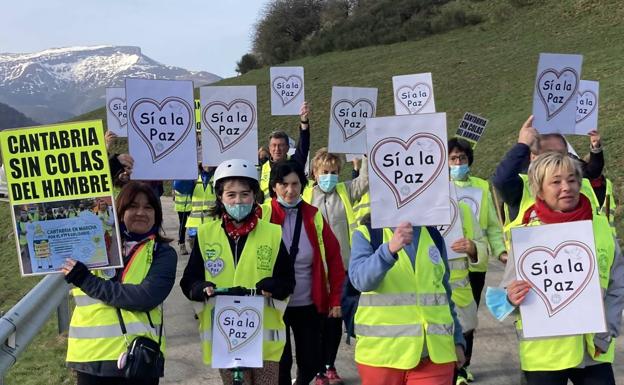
x,y
555,182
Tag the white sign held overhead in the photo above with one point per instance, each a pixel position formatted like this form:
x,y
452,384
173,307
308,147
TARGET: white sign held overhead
x,y
116,111
559,263
237,332
350,107
555,95
408,160
587,107
161,132
413,94
287,90
471,128
229,124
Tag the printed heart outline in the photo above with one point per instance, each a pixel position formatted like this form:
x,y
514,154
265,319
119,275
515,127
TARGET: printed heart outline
x,y
413,89
553,253
474,202
287,80
400,203
228,107
114,114
346,137
238,314
454,211
580,95
160,106
558,75
215,246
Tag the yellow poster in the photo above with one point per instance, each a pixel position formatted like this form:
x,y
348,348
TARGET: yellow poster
x,y
60,191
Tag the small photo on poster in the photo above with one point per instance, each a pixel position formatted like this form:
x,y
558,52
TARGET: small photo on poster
x,y
81,229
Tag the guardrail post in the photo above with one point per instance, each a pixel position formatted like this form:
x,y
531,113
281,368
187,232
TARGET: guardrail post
x,y
62,316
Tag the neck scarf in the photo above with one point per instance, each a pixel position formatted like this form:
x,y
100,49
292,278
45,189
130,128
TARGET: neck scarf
x,y
583,211
247,224
129,236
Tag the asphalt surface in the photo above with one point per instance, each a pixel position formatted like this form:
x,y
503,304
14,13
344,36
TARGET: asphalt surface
x,y
494,360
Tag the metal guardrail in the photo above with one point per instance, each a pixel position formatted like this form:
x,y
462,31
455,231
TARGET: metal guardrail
x,y
22,322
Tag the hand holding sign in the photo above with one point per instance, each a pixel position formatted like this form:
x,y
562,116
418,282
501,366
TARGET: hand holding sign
x,y
528,134
403,236
304,115
517,291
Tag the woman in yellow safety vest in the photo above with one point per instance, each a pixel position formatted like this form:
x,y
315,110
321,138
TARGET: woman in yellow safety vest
x,y
96,345
335,201
236,249
555,182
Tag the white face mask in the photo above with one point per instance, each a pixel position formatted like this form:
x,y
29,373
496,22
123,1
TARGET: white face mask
x,y
286,204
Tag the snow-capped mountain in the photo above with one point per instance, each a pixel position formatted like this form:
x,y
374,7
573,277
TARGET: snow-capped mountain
x,y
60,83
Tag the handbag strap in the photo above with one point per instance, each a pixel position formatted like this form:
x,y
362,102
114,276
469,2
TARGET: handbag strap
x,y
294,246
124,331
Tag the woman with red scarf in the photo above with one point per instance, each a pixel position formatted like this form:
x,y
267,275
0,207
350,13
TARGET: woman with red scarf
x,y
555,181
235,249
319,272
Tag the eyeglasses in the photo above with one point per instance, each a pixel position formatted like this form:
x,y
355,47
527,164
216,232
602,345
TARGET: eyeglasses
x,y
460,158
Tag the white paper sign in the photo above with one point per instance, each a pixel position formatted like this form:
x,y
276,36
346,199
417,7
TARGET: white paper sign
x,y
413,94
237,332
116,111
559,262
161,135
287,90
587,107
409,179
554,99
229,124
472,197
350,107
452,231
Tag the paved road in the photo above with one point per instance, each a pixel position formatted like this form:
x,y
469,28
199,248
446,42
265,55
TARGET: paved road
x,y
495,358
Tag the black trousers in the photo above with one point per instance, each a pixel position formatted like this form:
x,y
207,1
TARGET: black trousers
x,y
477,281
88,379
305,323
331,329
182,216
601,374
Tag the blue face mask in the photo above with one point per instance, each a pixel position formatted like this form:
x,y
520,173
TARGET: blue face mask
x,y
459,172
286,204
238,211
328,182
497,303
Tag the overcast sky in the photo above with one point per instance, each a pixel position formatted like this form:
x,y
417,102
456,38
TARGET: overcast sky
x,y
207,35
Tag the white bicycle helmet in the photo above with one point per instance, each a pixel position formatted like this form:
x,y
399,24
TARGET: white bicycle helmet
x,y
236,168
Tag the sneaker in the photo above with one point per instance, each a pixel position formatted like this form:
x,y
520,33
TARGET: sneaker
x,y
333,377
183,249
461,380
469,375
321,380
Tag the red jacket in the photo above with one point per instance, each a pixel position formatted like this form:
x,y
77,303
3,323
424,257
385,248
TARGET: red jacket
x,y
323,299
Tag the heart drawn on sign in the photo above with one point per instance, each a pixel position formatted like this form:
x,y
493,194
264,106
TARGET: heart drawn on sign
x,y
120,116
414,98
589,103
229,123
239,327
473,204
444,229
556,89
351,116
408,167
287,88
156,122
544,269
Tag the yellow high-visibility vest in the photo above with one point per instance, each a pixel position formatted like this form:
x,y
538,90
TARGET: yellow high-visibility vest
x,y
203,199
343,194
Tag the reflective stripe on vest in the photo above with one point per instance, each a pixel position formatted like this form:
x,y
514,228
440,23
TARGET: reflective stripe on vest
x,y
94,331
182,202
458,280
257,261
202,200
537,354
362,208
394,338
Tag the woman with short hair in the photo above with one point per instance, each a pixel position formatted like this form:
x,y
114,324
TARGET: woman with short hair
x,y
555,182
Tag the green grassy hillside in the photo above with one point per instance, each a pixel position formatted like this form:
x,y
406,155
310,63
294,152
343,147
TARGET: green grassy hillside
x,y
488,69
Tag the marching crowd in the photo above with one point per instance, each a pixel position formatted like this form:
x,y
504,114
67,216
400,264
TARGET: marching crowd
x,y
305,243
